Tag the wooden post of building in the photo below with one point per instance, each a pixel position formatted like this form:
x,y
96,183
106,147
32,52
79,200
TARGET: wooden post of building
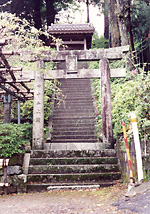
x,y
38,109
7,108
106,104
19,119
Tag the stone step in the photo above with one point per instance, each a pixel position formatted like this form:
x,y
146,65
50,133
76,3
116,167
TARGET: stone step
x,y
67,186
76,91
74,86
74,104
75,137
73,115
73,146
79,101
75,94
72,125
78,98
73,160
73,177
73,133
73,111
73,153
74,122
74,108
77,128
88,168
75,119
69,140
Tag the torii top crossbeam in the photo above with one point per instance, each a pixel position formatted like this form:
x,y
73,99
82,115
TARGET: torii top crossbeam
x,y
72,57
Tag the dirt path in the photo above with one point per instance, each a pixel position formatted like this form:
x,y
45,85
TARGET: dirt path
x,y
67,202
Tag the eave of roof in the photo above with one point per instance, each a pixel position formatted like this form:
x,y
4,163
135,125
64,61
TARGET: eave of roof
x,y
71,29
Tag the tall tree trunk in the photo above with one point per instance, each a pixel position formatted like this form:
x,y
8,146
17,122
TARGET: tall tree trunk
x,y
88,16
106,20
122,22
37,14
50,12
14,6
130,27
106,27
115,33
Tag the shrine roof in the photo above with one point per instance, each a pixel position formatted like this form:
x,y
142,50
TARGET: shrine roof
x,y
71,28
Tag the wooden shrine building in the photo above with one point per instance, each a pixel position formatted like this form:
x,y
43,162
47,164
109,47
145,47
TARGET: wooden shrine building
x,y
71,36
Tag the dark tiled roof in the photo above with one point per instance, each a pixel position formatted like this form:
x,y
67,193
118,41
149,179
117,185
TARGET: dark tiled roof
x,y
71,28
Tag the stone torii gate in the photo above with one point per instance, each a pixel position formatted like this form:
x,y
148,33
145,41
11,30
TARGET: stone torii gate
x,y
71,71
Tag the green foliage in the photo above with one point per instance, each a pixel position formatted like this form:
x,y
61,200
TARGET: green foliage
x,y
128,95
140,20
51,88
21,35
27,110
18,32
99,42
131,96
14,138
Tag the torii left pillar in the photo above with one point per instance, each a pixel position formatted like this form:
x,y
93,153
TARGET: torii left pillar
x,y
38,108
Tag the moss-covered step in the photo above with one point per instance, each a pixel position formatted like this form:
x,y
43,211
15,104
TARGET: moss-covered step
x,y
73,153
73,160
42,169
73,177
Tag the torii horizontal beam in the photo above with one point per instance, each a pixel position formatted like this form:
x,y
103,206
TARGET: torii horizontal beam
x,y
81,73
82,55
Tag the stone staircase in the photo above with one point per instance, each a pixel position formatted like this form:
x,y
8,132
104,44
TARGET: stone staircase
x,y
72,169
74,121
74,158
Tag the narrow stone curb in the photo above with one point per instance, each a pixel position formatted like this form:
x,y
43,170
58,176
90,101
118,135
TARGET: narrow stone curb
x,y
73,187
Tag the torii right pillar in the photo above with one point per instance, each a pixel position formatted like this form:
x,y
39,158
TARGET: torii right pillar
x,y
106,104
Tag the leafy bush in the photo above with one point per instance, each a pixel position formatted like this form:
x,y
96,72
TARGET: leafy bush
x,y
128,95
99,42
50,89
14,138
131,96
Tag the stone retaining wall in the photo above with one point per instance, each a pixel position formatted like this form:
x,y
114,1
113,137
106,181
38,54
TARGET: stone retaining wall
x,y
15,176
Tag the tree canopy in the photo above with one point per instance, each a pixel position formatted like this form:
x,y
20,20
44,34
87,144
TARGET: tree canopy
x,y
128,20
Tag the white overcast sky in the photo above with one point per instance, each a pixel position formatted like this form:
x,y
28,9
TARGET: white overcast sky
x,y
80,17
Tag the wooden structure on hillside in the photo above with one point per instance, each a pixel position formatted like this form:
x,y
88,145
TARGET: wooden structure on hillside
x,y
71,36
11,87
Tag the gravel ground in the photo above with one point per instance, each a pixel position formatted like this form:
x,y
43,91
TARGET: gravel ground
x,y
97,201
138,204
